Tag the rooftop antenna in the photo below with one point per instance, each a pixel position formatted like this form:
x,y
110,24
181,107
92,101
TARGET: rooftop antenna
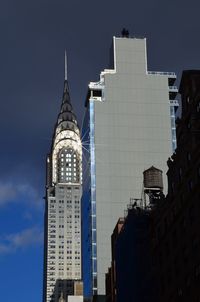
x,y
65,65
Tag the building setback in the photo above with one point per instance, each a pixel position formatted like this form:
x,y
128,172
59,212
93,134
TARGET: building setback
x,y
177,219
62,257
131,126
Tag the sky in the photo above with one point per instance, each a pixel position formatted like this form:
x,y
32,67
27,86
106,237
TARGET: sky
x,y
33,37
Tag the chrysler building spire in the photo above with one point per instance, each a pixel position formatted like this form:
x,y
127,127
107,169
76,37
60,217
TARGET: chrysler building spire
x,y
66,117
65,65
63,266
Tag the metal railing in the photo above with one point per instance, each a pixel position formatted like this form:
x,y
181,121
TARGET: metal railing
x,y
174,103
94,85
162,73
174,88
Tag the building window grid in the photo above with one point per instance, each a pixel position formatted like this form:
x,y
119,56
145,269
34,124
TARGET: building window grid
x,y
78,260
68,166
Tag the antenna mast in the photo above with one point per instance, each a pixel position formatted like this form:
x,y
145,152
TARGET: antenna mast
x,y
65,65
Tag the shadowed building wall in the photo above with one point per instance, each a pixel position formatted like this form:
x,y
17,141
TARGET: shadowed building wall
x,y
177,219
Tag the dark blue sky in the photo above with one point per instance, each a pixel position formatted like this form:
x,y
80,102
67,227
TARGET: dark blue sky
x,y
33,37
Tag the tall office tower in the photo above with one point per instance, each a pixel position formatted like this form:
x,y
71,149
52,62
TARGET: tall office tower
x,y
62,259
131,120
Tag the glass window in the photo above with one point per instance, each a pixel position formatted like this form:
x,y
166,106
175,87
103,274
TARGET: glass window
x,y
94,250
94,265
94,222
93,235
188,156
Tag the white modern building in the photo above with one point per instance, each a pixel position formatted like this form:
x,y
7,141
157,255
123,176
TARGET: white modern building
x,y
62,259
131,121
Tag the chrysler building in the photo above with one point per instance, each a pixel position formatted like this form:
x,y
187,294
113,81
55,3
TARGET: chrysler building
x,y
62,246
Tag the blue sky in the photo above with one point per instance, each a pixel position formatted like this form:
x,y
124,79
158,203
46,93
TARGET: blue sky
x,y
34,35
21,242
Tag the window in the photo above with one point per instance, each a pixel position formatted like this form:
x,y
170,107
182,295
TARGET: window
x,y
188,156
52,211
198,107
172,187
198,171
94,250
190,185
197,271
52,246
174,237
192,214
180,173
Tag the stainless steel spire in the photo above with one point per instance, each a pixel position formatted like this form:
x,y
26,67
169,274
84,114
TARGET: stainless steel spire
x,y
63,259
65,65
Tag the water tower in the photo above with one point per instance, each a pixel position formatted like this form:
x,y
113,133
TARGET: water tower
x,y
153,185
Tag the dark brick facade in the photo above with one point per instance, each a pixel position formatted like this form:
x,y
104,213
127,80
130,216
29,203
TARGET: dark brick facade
x,y
176,243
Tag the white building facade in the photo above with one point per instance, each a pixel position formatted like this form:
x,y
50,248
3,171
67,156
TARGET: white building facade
x,y
62,259
131,120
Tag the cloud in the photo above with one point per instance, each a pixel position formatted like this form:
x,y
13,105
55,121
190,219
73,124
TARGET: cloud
x,y
7,193
21,240
4,249
28,215
19,192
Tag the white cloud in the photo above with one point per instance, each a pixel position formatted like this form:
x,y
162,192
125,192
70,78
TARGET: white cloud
x,y
21,240
7,193
4,249
19,192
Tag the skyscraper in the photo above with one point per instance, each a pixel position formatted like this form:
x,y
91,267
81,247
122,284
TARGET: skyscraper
x,y
131,125
62,257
